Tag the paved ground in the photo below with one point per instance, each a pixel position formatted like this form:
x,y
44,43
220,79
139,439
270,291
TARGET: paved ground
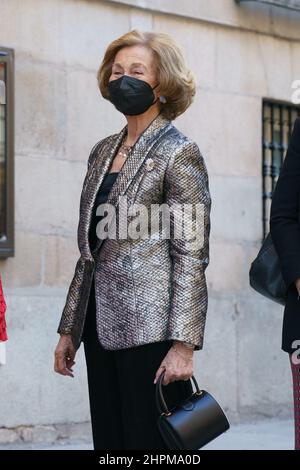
x,y
264,435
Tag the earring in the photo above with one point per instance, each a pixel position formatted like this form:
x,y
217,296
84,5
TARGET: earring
x,y
162,99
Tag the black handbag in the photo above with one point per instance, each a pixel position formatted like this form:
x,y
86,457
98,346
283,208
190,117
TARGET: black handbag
x,y
193,423
265,273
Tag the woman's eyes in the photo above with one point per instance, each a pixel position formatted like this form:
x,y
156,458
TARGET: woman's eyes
x,y
118,73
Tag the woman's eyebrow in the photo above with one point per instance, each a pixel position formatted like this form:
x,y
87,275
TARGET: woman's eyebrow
x,y
132,65
138,63
135,64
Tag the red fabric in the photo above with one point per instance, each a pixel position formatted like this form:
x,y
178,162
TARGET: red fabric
x,y
3,335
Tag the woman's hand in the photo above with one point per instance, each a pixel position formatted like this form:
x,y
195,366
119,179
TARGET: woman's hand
x,y
64,356
178,364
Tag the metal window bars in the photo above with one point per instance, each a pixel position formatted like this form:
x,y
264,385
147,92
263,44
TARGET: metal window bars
x,y
278,119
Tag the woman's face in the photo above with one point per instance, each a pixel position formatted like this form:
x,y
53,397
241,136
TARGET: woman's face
x,y
136,61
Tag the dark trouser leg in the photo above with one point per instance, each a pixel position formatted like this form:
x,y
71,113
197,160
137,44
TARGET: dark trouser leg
x,y
296,391
136,371
105,402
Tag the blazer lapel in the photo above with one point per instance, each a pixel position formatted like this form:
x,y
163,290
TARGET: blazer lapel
x,y
100,166
140,150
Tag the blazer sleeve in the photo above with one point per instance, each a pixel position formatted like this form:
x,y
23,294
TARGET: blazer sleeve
x,y
284,225
68,318
186,182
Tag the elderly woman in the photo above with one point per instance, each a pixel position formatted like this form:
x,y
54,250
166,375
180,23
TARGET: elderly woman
x,y
138,300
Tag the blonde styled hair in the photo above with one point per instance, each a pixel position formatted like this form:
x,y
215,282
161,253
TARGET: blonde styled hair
x,y
177,83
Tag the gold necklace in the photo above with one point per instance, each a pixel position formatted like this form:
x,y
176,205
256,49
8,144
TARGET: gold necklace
x,y
125,150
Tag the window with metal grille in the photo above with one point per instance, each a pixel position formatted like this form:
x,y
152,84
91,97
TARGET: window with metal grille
x,y
277,125
6,152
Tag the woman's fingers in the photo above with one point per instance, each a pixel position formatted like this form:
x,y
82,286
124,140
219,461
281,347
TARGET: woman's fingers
x,y
168,376
61,365
70,363
59,362
167,379
159,371
64,359
176,368
171,376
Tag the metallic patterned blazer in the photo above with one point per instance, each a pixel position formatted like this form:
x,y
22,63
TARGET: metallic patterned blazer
x,y
147,289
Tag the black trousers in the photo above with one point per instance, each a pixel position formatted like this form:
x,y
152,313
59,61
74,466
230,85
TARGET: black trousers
x,y
122,393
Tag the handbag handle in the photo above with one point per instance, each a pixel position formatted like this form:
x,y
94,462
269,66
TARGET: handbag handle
x,y
160,401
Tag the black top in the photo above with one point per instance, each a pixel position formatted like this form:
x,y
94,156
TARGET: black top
x,y
101,198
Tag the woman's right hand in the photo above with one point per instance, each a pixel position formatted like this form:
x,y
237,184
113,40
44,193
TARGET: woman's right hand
x,y
64,356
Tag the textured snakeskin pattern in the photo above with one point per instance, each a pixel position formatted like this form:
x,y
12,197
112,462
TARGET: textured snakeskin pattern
x,y
153,289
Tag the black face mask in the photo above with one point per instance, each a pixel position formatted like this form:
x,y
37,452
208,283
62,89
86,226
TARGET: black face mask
x,y
131,95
